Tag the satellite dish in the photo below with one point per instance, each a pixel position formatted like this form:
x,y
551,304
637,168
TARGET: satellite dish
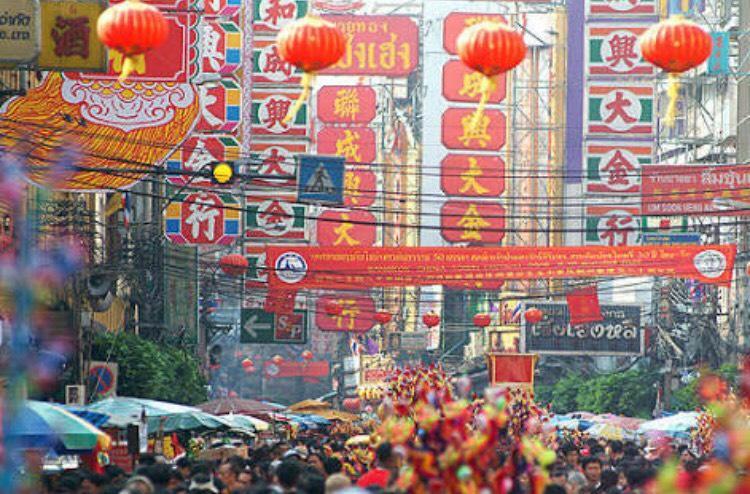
x,y
98,285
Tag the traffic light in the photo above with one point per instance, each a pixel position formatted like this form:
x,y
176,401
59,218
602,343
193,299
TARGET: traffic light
x,y
222,172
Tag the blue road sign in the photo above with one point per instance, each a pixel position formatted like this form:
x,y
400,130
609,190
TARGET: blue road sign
x,y
320,180
718,62
671,238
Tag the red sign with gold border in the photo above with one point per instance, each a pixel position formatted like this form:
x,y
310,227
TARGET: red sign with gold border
x,y
472,222
346,104
346,228
464,85
459,131
355,144
356,315
472,175
456,22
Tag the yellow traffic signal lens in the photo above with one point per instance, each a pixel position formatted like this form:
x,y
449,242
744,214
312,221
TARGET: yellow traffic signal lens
x,y
223,173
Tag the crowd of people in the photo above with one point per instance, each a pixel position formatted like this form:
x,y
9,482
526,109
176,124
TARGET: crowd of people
x,y
324,466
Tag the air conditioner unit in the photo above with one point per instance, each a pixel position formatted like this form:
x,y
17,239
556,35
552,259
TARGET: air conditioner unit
x,y
75,394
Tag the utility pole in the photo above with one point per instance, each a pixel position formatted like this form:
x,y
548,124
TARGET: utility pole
x,y
743,156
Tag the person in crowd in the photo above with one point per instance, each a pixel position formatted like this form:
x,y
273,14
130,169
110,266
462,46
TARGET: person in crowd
x,y
615,453
386,464
287,476
592,470
337,482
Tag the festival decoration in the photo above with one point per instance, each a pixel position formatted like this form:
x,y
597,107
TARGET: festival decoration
x,y
382,317
431,319
132,28
533,315
675,45
277,359
307,355
333,308
491,48
246,363
482,320
310,44
233,264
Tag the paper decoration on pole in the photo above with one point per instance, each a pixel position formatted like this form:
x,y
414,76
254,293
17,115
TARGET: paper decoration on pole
x,y
132,28
512,369
233,264
675,45
583,305
311,44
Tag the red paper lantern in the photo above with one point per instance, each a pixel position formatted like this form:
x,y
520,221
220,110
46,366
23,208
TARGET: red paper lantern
x,y
310,44
383,317
247,363
533,315
249,370
232,394
277,359
352,404
491,47
132,28
482,320
233,264
431,319
307,355
333,308
676,45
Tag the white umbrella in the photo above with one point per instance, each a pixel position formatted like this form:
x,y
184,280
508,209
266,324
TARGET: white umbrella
x,y
673,424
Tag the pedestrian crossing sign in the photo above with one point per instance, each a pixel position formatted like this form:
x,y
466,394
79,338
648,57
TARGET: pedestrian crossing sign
x,y
320,180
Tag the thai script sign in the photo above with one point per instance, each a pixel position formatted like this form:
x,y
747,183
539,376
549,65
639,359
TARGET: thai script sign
x,y
19,30
619,333
377,45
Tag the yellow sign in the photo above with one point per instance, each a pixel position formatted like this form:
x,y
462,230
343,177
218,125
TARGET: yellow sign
x,y
19,30
69,40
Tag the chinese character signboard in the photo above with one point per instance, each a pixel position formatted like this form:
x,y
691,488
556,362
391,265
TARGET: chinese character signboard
x,y
472,222
615,168
618,8
202,218
259,326
269,67
624,109
386,46
277,159
196,153
354,144
320,180
619,333
718,62
270,108
696,190
256,275
472,175
612,225
612,49
221,47
459,130
220,106
69,38
360,186
463,85
356,316
346,104
355,228
274,219
375,369
272,15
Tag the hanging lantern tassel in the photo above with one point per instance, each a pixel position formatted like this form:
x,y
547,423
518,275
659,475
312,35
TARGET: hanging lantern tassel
x,y
487,88
132,63
308,78
673,92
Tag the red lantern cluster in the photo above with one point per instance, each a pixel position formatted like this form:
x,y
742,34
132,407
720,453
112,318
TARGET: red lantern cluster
x,y
311,43
482,320
132,28
491,47
307,355
676,45
233,264
431,319
533,315
382,317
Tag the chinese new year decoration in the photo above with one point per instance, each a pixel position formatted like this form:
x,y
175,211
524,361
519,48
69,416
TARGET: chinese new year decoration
x,y
277,359
482,320
490,48
307,355
233,264
382,317
431,319
352,404
333,308
248,366
132,28
310,44
675,45
533,315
